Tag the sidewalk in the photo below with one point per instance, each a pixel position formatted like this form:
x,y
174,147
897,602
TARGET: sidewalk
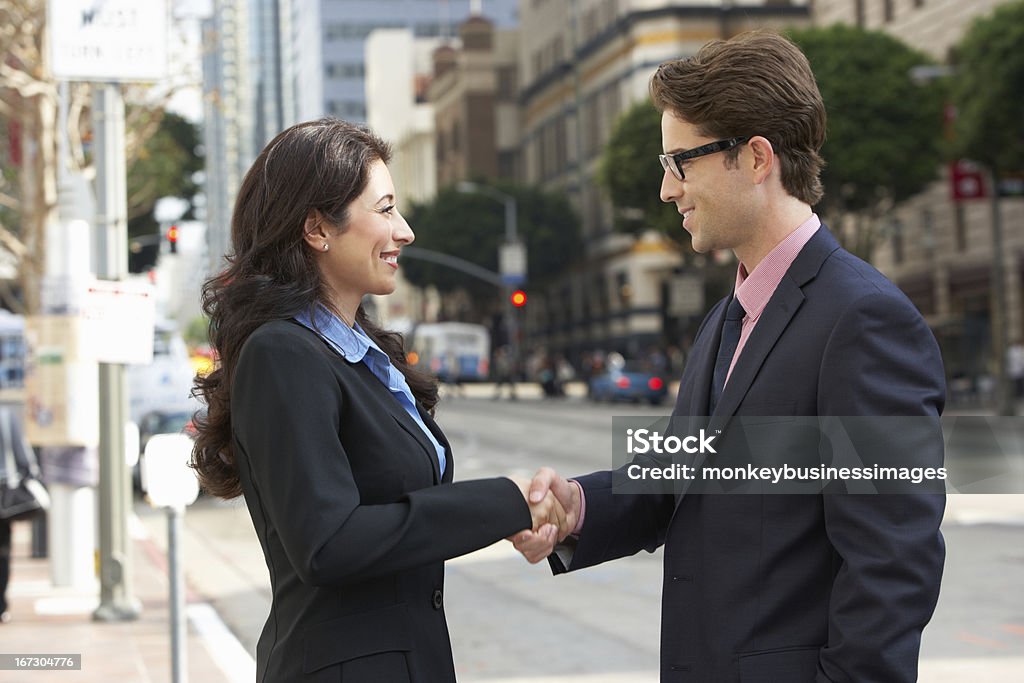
x,y
50,620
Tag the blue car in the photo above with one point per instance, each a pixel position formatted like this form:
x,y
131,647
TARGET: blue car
x,y
633,382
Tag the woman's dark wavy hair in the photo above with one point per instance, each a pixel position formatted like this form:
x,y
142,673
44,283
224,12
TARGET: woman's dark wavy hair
x,y
317,168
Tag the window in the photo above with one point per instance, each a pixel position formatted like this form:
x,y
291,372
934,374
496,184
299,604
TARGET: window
x,y
347,110
859,10
889,10
507,83
349,70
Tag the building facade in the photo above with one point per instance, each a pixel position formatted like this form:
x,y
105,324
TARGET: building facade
x,y
473,93
327,66
228,118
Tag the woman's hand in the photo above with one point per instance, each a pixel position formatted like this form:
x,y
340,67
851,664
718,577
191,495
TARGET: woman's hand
x,y
547,512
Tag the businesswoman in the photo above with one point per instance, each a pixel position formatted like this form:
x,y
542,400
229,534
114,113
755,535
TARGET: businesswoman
x,y
315,417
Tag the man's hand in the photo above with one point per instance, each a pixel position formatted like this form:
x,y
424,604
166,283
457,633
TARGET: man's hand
x,y
546,511
538,543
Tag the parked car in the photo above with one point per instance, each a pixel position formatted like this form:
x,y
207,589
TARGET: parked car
x,y
160,422
633,381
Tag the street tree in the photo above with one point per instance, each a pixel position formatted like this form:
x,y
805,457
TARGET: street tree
x,y
988,93
884,127
29,122
629,171
472,226
165,166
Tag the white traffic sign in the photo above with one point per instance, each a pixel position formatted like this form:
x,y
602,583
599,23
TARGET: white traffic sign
x,y
119,318
108,40
512,263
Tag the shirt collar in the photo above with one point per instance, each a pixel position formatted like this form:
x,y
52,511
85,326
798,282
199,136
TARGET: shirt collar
x,y
755,289
351,342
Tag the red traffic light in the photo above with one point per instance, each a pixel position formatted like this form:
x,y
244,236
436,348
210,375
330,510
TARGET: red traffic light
x,y
172,238
518,298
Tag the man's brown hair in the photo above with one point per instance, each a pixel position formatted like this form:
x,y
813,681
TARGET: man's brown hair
x,y
756,83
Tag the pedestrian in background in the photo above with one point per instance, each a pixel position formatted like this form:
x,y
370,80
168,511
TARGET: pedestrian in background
x,y
504,372
18,466
315,416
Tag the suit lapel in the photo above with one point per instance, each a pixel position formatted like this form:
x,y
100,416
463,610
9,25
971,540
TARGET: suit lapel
x,y
449,467
695,389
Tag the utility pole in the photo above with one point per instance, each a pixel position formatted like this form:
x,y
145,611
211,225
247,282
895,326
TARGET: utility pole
x,y
116,600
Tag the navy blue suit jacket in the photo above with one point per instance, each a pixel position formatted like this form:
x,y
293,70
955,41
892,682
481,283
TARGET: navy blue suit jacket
x,y
795,588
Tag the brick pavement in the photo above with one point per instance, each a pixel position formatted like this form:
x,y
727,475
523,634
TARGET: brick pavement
x,y
46,619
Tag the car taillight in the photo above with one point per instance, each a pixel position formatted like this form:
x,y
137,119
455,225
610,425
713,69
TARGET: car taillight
x,y
655,384
622,383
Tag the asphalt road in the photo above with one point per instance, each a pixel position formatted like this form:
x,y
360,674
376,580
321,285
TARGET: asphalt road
x,y
511,621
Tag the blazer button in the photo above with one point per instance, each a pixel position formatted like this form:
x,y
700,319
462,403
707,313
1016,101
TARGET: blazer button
x,y
438,599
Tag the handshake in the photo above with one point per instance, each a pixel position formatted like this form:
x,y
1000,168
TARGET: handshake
x,y
555,508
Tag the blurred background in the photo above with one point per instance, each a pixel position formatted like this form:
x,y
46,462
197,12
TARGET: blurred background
x,y
545,267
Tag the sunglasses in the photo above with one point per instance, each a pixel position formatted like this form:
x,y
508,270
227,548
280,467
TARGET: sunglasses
x,y
674,162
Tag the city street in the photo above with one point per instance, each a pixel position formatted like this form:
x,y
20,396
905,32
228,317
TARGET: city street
x,y
511,621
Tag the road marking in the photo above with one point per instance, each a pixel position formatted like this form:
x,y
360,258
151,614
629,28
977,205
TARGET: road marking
x,y
967,637
233,659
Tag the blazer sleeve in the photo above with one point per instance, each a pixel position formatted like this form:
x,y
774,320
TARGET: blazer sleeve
x,y
285,418
617,524
882,360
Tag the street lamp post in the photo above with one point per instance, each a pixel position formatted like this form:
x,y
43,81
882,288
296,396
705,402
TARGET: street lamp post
x,y
512,257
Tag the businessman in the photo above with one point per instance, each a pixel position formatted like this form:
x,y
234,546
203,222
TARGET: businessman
x,y
786,588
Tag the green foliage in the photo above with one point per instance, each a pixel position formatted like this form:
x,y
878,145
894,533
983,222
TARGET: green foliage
x,y
196,333
988,90
630,172
884,129
164,168
472,226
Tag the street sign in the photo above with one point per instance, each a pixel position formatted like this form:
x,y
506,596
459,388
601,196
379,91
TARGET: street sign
x,y
967,181
512,263
685,296
108,40
119,318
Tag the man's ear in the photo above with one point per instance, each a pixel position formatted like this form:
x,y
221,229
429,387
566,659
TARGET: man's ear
x,y
763,156
313,231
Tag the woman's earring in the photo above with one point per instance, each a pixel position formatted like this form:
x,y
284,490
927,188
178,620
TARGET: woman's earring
x,y
325,246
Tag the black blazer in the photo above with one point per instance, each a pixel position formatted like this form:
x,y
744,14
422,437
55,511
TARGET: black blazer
x,y
795,588
353,515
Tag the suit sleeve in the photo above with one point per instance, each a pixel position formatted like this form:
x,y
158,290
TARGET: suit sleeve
x,y
617,524
285,417
882,360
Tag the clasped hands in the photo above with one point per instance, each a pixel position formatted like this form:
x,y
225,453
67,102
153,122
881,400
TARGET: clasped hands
x,y
555,508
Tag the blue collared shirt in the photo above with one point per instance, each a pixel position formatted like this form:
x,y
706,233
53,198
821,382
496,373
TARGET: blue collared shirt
x,y
354,346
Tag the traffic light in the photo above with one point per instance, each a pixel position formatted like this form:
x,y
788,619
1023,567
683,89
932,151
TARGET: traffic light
x,y
172,238
518,298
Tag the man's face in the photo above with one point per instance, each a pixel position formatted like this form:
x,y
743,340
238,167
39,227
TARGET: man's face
x,y
712,196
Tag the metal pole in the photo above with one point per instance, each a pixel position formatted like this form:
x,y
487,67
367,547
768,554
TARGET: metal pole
x,y
116,600
1004,398
179,658
511,324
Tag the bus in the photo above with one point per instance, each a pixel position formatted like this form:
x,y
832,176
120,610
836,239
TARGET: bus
x,y
454,352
